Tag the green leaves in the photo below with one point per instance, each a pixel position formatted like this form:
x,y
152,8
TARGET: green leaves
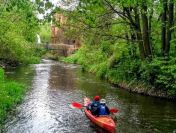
x,y
18,26
45,32
160,73
118,34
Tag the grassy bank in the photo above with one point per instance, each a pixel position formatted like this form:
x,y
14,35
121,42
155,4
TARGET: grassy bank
x,y
11,94
155,77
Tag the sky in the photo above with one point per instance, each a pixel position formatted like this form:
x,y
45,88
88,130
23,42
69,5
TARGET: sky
x,y
61,4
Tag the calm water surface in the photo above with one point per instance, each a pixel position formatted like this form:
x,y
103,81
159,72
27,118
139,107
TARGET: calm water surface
x,y
53,86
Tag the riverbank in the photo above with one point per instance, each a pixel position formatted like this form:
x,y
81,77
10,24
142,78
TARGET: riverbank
x,y
11,94
154,78
144,90
140,88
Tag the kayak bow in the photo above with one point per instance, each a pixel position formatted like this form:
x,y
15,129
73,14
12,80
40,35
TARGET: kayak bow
x,y
105,122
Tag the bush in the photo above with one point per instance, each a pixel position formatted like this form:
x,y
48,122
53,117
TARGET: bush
x,y
160,73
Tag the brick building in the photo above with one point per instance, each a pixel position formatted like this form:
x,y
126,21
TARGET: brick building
x,y
59,41
58,36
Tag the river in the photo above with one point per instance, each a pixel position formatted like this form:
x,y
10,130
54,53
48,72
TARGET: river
x,y
53,86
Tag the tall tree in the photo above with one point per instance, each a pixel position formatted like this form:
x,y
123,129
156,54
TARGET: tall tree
x,y
163,27
145,31
138,33
170,26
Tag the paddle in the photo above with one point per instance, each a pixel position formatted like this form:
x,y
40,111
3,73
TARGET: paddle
x,y
113,110
77,105
80,106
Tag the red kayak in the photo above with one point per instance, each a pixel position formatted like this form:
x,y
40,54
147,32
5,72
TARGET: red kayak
x,y
105,122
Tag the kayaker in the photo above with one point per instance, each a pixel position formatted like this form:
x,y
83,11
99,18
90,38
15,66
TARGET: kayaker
x,y
103,109
94,106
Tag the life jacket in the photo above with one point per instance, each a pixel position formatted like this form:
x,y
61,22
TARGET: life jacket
x,y
94,107
103,110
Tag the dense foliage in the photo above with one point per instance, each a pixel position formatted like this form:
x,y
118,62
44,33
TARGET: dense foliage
x,y
19,25
126,41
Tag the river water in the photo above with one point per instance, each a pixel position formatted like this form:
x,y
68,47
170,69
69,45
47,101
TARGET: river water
x,y
53,86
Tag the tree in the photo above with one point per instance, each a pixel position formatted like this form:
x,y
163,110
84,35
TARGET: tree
x,y
18,26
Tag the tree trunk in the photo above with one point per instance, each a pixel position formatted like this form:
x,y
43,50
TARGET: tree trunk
x,y
145,27
170,24
138,33
163,28
150,29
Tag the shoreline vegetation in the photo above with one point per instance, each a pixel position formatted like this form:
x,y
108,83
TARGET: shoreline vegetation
x,y
136,87
19,46
143,90
128,74
11,94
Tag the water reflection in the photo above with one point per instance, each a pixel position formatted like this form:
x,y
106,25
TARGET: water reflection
x,y
61,78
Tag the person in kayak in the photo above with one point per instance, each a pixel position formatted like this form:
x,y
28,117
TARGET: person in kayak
x,y
103,109
94,106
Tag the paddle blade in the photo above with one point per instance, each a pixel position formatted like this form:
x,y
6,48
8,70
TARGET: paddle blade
x,y
113,110
76,105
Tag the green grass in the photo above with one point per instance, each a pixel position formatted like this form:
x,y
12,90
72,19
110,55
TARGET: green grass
x,y
11,94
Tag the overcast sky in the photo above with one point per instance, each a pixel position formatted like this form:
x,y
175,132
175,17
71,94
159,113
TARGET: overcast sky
x,y
61,4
